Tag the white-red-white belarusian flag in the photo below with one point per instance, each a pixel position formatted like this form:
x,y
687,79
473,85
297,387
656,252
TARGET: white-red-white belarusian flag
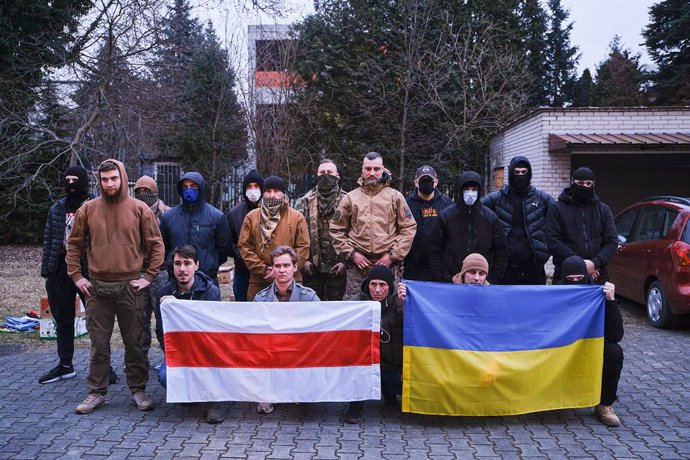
x,y
272,351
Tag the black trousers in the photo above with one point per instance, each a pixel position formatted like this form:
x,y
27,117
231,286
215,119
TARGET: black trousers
x,y
61,294
524,274
613,365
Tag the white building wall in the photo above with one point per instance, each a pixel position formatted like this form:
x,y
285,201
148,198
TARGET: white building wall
x,y
551,172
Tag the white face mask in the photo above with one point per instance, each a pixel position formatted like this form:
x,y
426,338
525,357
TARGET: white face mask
x,y
253,195
469,196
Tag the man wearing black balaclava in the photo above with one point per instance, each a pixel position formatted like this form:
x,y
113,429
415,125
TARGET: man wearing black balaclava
x,y
574,271
579,224
322,271
426,203
60,288
522,209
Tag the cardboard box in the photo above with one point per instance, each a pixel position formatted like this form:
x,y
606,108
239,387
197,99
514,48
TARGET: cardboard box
x,y
47,322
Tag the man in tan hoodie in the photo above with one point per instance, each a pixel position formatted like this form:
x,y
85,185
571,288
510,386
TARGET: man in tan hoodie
x,y
124,241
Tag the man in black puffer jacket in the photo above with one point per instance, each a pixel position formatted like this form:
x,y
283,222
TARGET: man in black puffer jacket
x,y
197,223
579,224
252,190
522,208
467,227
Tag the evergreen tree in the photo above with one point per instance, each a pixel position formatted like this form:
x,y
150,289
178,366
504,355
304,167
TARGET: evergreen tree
x,y
533,24
213,137
667,38
620,78
584,94
182,37
561,57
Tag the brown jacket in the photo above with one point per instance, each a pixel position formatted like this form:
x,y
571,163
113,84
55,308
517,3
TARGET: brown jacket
x,y
291,230
373,220
124,238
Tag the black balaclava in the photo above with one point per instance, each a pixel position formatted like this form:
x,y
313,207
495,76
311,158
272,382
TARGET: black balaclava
x,y
519,184
574,265
78,192
580,194
258,179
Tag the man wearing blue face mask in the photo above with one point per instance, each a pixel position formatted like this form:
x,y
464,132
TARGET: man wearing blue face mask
x,y
467,227
197,223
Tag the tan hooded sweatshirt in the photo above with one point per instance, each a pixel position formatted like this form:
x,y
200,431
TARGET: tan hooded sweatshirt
x,y
123,237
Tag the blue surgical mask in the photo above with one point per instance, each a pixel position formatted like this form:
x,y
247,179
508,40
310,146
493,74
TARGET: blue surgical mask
x,y
190,195
470,196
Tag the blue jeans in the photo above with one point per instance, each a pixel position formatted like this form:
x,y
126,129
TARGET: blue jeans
x,y
240,285
163,375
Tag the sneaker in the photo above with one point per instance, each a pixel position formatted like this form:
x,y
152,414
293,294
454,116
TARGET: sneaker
x,y
93,401
606,415
214,413
264,408
141,400
113,379
59,372
355,412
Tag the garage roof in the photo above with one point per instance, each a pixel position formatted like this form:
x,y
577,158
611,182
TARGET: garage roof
x,y
641,141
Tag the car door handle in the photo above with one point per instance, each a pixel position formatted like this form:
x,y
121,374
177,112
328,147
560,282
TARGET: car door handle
x,y
646,252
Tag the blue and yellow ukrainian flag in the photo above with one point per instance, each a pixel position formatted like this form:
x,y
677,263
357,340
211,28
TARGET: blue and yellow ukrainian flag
x,y
501,350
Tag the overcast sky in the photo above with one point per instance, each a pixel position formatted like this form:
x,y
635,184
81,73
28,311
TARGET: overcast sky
x,y
595,24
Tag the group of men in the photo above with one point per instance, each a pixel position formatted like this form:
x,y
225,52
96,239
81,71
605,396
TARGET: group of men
x,y
333,245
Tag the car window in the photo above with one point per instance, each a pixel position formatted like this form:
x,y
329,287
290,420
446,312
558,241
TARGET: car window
x,y
668,218
686,232
624,224
650,225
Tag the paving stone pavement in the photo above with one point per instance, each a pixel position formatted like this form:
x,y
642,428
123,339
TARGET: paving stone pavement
x,y
39,422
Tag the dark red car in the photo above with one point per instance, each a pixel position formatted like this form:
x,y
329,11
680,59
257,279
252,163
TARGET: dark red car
x,y
652,264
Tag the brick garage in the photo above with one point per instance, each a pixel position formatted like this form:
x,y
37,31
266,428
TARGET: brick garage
x,y
634,152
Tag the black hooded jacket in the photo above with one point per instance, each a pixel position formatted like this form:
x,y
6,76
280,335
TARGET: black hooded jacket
x,y
201,225
466,229
417,264
535,204
586,230
391,325
236,216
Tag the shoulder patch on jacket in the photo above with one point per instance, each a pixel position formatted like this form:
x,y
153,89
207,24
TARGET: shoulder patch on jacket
x,y
336,215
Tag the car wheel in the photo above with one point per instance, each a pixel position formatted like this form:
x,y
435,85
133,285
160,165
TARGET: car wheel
x,y
658,312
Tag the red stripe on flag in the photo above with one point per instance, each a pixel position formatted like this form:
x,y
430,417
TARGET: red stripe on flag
x,y
260,351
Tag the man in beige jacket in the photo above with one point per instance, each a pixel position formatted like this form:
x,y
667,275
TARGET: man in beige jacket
x,y
372,226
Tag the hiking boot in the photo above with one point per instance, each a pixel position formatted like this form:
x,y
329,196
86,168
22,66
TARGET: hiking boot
x,y
606,415
355,412
92,402
113,379
141,400
214,413
264,408
59,372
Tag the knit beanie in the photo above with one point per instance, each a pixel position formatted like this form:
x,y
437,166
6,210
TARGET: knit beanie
x,y
253,176
146,182
583,173
275,183
474,261
383,273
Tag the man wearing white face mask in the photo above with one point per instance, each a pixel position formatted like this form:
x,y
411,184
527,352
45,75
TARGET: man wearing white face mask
x,y
253,188
467,227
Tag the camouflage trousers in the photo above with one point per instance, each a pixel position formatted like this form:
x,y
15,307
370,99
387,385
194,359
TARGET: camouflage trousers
x,y
355,276
328,286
